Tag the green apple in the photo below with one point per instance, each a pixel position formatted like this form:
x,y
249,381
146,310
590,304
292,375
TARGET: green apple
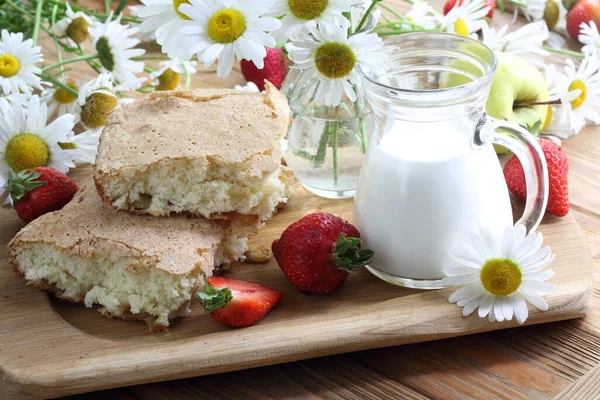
x,y
517,89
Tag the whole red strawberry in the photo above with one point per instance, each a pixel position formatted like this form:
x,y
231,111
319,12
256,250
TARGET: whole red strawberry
x,y
237,304
275,69
39,191
558,171
583,12
316,252
449,5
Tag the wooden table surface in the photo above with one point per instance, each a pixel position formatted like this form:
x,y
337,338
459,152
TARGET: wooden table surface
x,y
539,362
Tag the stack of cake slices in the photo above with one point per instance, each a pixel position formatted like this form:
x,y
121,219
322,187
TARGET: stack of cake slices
x,y
181,179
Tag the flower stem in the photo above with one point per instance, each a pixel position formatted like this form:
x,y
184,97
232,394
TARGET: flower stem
x,y
143,58
38,21
70,60
90,12
366,16
59,84
188,77
334,146
391,10
106,6
565,52
58,51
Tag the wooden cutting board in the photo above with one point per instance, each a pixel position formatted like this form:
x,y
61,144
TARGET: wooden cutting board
x,y
51,348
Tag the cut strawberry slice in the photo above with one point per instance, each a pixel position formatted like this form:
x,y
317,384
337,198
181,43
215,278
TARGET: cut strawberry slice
x,y
237,304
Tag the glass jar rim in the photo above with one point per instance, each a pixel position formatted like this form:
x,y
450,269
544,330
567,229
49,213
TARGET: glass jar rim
x,y
440,95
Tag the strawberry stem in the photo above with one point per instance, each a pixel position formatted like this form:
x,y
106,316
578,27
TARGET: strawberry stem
x,y
212,298
21,183
347,253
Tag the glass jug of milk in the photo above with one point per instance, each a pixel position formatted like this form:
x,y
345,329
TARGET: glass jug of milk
x,y
431,173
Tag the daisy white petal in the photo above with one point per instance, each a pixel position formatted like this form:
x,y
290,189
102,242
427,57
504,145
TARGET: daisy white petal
x,y
60,101
590,38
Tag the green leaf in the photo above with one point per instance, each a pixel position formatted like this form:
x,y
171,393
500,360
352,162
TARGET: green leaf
x,y
348,255
212,298
534,129
23,182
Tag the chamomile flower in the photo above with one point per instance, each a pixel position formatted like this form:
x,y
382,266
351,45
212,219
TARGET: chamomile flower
x,y
17,63
115,48
60,101
74,26
299,14
249,87
579,92
27,141
167,77
526,41
163,18
226,29
84,144
330,55
423,15
97,98
533,11
590,38
501,275
466,18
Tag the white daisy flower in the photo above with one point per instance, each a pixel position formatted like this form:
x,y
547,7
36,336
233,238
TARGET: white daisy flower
x,y
579,92
17,64
249,87
74,26
534,11
97,98
116,48
84,144
331,56
466,18
27,141
60,101
145,37
526,41
501,275
17,98
590,38
226,29
164,20
558,123
422,14
557,27
298,15
167,77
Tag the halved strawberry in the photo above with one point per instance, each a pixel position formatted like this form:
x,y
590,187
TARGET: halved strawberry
x,y
237,304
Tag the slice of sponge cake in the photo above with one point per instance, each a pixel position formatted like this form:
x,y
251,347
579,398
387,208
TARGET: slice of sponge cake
x,y
206,152
135,267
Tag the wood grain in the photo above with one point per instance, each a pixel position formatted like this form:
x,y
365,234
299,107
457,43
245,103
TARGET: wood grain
x,y
536,362
52,347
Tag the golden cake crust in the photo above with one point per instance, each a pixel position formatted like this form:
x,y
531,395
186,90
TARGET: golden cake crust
x,y
212,126
86,226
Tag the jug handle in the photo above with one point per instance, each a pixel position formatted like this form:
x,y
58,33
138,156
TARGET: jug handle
x,y
526,147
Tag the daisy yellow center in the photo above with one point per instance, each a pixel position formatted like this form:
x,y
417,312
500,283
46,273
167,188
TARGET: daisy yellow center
x,y
107,59
578,84
26,151
9,65
549,114
94,112
335,60
176,4
460,27
64,97
67,146
226,25
78,30
500,276
168,80
307,9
